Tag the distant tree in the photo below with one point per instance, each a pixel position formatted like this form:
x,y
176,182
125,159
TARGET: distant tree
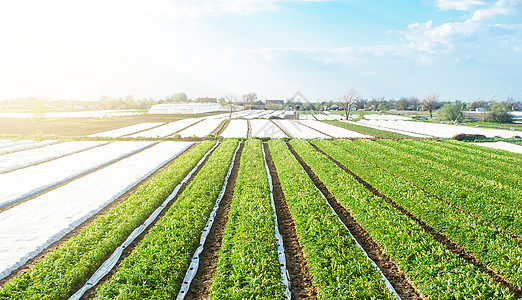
x,y
430,103
348,100
500,113
414,103
38,109
178,97
403,104
372,104
249,99
231,100
450,112
382,106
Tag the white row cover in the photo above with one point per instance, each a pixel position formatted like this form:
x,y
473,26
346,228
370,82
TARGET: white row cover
x,y
126,130
13,161
76,114
27,229
265,128
184,108
236,129
202,128
322,117
439,130
306,117
7,143
167,129
299,131
332,130
15,148
503,146
22,183
366,123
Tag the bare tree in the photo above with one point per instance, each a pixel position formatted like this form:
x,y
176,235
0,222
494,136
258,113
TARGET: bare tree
x,y
230,99
430,103
348,100
249,99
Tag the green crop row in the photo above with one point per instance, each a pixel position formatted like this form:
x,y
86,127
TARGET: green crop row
x,y
367,130
486,152
248,267
63,271
156,267
493,175
436,271
491,203
339,268
449,154
493,247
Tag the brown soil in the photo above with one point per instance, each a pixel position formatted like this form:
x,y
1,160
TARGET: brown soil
x,y
450,203
400,282
249,132
91,293
284,131
439,237
330,136
54,187
222,126
301,283
199,288
185,128
33,261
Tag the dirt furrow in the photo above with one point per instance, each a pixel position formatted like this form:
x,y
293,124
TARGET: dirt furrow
x,y
300,277
441,238
87,222
222,126
281,128
91,293
400,282
208,258
249,132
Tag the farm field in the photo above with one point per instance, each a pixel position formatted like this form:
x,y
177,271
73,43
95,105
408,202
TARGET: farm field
x,y
425,129
300,219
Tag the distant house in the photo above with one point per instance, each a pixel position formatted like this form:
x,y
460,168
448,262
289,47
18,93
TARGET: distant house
x,y
206,100
258,105
271,104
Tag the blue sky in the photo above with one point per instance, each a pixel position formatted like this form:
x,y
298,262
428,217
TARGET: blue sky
x,y
468,50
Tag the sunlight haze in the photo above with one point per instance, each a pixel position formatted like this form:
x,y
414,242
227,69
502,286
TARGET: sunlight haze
x,y
465,50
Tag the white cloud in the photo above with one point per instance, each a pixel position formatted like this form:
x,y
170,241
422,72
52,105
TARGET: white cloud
x,y
501,7
464,5
426,37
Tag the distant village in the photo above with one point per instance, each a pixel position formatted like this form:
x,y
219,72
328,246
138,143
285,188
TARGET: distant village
x,y
247,101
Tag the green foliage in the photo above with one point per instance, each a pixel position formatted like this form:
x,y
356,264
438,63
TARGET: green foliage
x,y
157,265
450,112
248,267
367,130
330,253
498,115
489,244
63,271
433,268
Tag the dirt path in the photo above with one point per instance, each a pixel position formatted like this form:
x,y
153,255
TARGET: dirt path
x,y
389,268
91,293
300,277
199,288
439,237
284,131
222,126
249,132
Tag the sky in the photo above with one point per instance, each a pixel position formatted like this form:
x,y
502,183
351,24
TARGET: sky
x,y
70,49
